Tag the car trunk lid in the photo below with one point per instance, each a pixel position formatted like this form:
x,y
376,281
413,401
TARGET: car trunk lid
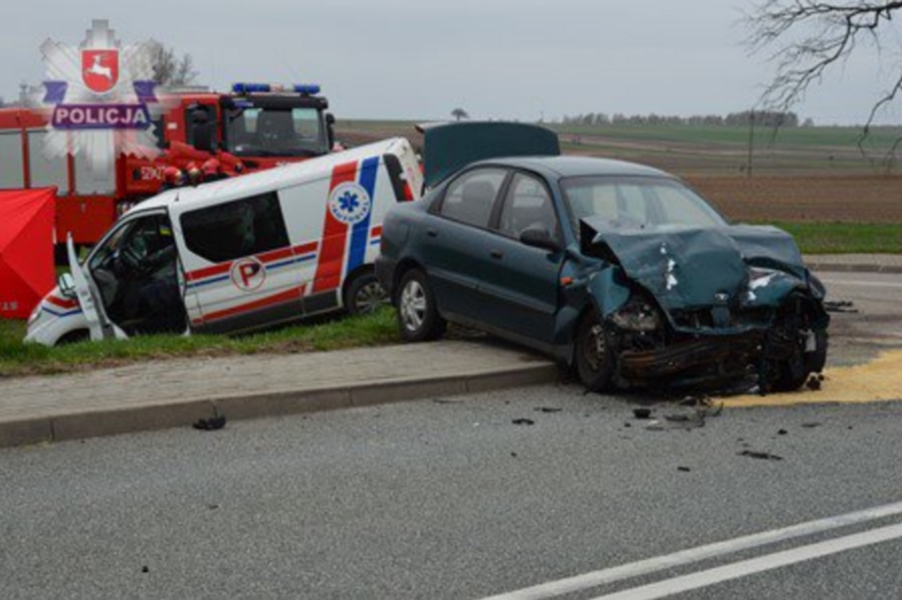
x,y
449,147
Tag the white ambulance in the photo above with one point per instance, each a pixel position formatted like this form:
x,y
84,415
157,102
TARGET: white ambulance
x,y
237,254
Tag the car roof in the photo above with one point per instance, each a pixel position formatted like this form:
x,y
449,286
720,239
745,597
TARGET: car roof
x,y
578,166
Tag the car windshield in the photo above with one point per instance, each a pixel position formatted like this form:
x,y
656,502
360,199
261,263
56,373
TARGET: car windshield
x,y
275,132
636,202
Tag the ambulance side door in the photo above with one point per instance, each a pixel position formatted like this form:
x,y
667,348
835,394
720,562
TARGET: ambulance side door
x,y
320,245
239,265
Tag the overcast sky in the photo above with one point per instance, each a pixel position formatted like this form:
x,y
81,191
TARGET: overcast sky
x,y
419,59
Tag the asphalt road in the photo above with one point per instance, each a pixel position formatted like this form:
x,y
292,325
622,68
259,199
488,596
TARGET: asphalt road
x,y
451,498
446,499
876,320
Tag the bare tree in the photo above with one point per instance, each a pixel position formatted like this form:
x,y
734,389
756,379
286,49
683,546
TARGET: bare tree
x,y
807,37
170,69
459,113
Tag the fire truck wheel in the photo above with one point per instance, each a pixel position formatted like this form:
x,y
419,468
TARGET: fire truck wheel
x,y
364,294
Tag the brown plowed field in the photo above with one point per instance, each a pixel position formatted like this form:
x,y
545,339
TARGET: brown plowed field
x,y
827,195
846,199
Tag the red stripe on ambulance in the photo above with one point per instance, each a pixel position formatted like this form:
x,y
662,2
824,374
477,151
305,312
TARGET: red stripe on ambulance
x,y
335,236
280,298
62,303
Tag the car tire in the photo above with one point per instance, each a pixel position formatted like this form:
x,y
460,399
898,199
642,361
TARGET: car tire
x,y
791,374
74,337
417,312
364,294
594,354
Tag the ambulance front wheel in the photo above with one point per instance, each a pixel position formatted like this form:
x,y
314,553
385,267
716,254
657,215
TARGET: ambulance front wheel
x,y
364,294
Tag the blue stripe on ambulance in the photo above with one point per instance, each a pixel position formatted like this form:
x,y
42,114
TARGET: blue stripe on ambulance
x,y
368,171
62,314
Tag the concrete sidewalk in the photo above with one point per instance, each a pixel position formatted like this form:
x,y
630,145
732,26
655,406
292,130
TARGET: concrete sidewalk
x,y
176,393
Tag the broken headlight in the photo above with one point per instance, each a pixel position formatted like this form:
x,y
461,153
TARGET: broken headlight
x,y
637,315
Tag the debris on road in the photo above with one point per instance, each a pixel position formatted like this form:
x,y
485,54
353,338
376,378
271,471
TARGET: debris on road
x,y
759,455
548,409
217,421
814,382
840,306
523,422
811,425
684,469
782,432
642,413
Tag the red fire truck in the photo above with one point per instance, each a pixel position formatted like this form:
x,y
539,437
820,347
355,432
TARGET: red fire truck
x,y
260,125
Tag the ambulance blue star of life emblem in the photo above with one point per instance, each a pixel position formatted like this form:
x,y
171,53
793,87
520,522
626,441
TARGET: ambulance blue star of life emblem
x,y
349,203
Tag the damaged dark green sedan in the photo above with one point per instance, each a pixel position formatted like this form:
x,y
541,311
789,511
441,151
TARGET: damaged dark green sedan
x,y
615,268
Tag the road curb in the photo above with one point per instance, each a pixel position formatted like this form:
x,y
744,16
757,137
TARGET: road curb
x,y
167,415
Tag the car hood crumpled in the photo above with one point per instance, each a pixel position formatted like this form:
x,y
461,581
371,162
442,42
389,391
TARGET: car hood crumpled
x,y
690,267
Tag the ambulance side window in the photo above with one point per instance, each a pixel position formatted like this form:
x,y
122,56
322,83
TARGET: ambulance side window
x,y
234,229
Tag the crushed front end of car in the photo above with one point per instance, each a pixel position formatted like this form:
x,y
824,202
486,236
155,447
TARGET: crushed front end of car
x,y
694,305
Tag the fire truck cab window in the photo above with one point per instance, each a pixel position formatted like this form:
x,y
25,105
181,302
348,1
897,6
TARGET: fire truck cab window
x,y
200,126
255,131
235,229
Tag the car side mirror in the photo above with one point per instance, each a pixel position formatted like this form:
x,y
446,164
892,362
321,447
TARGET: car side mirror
x,y
539,237
67,286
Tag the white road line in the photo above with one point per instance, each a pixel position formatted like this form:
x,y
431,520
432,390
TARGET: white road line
x,y
677,585
691,555
862,283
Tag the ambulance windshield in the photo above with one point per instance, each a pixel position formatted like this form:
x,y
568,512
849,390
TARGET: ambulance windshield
x,y
275,132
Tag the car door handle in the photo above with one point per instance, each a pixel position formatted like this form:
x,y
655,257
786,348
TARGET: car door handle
x,y
496,254
432,232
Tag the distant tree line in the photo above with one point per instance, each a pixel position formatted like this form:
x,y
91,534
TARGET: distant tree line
x,y
762,118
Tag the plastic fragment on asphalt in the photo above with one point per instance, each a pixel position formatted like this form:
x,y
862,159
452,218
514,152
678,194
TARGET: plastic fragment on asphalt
x,y
759,455
642,413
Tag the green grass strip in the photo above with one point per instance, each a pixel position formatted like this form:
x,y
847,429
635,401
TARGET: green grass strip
x,y
845,238
17,358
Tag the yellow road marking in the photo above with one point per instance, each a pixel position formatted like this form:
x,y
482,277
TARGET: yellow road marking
x,y
877,381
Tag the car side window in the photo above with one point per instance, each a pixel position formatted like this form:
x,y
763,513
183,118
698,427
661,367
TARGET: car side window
x,y
528,204
234,229
471,197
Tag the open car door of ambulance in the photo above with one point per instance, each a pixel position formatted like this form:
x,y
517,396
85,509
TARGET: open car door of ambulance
x,y
85,295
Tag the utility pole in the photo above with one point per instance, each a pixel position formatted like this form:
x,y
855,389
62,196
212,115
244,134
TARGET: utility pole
x,y
748,165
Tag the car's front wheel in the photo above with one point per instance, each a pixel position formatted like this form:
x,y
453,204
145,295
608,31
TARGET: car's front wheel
x,y
594,354
792,373
417,313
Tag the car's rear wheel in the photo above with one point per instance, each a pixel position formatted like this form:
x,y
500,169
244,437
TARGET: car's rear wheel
x,y
594,354
365,294
417,313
